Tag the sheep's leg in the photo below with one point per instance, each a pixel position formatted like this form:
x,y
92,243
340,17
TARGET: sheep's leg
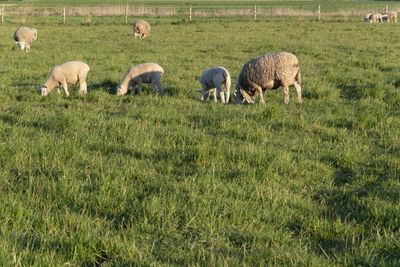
x,y
133,89
65,86
83,88
286,92
159,85
298,91
139,86
153,86
227,94
221,93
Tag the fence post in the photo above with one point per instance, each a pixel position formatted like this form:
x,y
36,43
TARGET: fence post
x,y
2,14
255,12
319,12
386,8
126,14
190,14
63,14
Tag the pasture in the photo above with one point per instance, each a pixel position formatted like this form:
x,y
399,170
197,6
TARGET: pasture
x,y
169,180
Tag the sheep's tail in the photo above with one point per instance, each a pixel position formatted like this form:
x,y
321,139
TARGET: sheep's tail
x,y
298,76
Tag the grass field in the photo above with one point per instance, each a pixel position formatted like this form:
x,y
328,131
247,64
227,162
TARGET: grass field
x,y
169,180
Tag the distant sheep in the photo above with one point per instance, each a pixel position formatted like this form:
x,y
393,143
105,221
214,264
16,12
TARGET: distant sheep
x,y
368,17
141,28
376,18
24,36
266,73
391,16
212,80
143,73
69,72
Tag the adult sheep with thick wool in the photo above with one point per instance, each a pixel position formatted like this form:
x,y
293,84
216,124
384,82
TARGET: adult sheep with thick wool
x,y
267,73
141,28
143,73
69,72
212,80
24,36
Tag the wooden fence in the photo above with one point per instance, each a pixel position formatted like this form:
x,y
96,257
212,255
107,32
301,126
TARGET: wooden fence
x,y
251,11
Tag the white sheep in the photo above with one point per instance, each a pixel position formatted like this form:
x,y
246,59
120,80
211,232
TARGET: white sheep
x,y
24,36
143,73
266,73
141,28
376,18
212,80
69,72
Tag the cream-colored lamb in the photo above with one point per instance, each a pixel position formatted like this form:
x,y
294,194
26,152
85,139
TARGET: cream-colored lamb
x,y
212,80
24,36
69,72
143,73
266,73
141,28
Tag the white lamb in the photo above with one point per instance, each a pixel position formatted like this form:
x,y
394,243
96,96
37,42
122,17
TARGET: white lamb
x,y
24,36
143,73
212,80
69,72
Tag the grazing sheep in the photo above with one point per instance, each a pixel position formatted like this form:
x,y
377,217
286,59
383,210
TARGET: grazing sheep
x,y
391,16
211,80
24,36
143,73
69,72
385,18
368,17
376,18
141,28
266,73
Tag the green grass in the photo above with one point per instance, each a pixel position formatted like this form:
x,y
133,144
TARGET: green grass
x,y
169,180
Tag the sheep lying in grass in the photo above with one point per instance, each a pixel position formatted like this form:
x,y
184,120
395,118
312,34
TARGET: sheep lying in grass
x,y
141,28
69,72
268,72
143,73
212,80
391,16
375,18
24,36
368,17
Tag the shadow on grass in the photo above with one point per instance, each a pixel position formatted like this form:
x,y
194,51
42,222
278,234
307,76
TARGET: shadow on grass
x,y
107,86
350,92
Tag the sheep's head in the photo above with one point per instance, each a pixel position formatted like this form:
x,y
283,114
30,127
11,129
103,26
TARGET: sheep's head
x,y
121,90
21,45
43,90
241,96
